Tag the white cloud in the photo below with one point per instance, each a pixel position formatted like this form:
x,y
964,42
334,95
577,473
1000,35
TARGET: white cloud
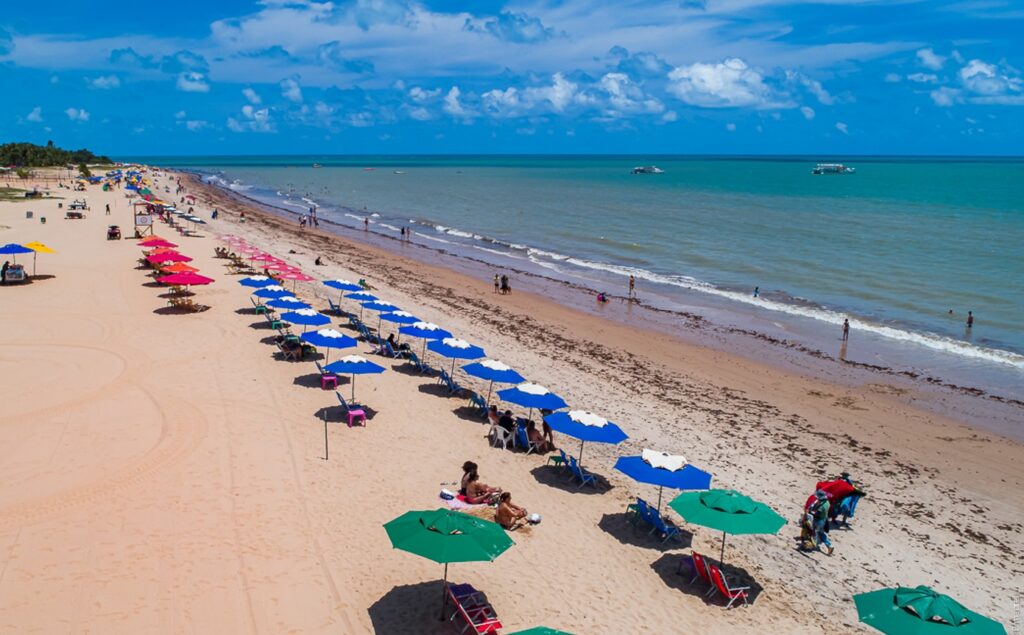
x,y
420,95
77,114
291,90
731,127
923,78
105,82
670,116
256,120
842,127
453,105
192,82
728,84
989,80
419,113
929,59
807,112
196,124
36,115
252,96
813,86
945,96
625,96
893,78
181,114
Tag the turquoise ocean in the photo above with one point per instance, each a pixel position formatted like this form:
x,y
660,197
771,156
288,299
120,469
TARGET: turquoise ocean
x,y
894,247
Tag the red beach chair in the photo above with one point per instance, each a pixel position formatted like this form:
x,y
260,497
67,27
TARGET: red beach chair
x,y
699,567
731,594
477,615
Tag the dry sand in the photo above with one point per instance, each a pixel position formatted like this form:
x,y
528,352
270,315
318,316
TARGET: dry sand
x,y
164,472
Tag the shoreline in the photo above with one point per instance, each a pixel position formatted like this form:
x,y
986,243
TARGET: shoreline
x,y
975,406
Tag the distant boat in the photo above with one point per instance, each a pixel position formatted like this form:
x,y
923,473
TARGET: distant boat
x,y
648,169
317,165
399,172
833,168
369,169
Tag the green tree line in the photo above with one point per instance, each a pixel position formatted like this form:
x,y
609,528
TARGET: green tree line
x,y
33,156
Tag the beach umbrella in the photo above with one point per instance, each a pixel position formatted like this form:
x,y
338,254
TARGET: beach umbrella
x,y
455,349
727,511
168,257
585,426
541,630
353,365
305,317
329,338
361,296
663,470
14,249
921,611
380,306
342,285
425,331
156,241
179,267
446,536
532,396
288,303
399,317
295,276
257,281
186,278
493,371
271,291
37,248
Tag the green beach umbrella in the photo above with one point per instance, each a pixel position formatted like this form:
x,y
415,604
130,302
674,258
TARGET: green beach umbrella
x,y
921,611
541,630
447,536
728,511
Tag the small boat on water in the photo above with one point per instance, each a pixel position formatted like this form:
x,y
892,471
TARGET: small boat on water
x,y
399,172
833,168
316,165
648,169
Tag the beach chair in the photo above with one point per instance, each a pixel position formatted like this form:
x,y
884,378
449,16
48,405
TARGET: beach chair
x,y
390,350
327,380
522,440
353,321
275,323
335,308
664,528
292,354
476,400
477,616
729,593
580,473
699,566
354,411
260,309
561,460
453,388
497,435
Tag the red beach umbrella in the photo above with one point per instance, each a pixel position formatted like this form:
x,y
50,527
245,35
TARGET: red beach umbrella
x,y
168,257
156,242
185,278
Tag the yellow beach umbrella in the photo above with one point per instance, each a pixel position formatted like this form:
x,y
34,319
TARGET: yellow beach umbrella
x,y
37,248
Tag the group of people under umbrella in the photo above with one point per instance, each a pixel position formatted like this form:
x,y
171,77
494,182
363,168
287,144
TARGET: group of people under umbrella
x,y
449,536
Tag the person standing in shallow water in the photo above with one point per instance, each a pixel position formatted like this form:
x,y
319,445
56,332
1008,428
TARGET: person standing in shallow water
x,y
970,319
846,330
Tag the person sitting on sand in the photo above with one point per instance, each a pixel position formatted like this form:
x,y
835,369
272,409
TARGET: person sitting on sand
x,y
509,515
319,262
602,298
536,438
478,493
468,468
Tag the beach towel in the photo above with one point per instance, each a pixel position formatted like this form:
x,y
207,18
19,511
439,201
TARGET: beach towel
x,y
459,502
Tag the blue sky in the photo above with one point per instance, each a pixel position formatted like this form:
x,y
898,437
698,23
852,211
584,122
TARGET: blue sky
x,y
560,76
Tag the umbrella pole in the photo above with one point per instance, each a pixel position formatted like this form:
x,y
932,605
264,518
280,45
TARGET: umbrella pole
x,y
444,593
327,455
453,369
490,386
581,455
353,387
660,488
33,264
721,557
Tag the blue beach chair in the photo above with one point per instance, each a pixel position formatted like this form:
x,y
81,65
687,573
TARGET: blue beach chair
x,y
580,474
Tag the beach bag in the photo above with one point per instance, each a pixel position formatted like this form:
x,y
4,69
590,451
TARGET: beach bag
x,y
447,495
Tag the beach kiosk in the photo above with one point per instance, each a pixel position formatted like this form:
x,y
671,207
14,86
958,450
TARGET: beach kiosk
x,y
143,213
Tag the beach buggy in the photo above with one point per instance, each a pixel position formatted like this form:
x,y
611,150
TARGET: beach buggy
x,y
113,232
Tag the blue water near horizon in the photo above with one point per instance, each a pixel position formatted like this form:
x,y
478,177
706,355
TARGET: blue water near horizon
x,y
894,247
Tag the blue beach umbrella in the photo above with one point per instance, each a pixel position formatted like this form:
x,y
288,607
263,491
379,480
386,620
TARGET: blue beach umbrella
x,y
585,426
380,306
532,396
361,296
271,291
257,281
425,331
399,317
493,371
289,303
342,285
305,317
329,338
353,365
663,470
455,349
14,249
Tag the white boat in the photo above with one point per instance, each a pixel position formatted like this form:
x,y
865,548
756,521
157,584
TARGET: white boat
x,y
648,169
833,168
316,165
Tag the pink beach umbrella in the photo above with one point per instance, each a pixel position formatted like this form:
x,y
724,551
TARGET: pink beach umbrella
x,y
295,277
156,242
168,257
185,278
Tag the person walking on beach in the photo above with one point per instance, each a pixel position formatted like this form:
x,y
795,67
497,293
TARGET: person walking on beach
x,y
846,330
757,291
632,288
108,209
366,224
970,319
241,217
505,289
497,283
819,510
3,271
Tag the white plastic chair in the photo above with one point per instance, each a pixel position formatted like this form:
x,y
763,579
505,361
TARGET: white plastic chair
x,y
499,435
